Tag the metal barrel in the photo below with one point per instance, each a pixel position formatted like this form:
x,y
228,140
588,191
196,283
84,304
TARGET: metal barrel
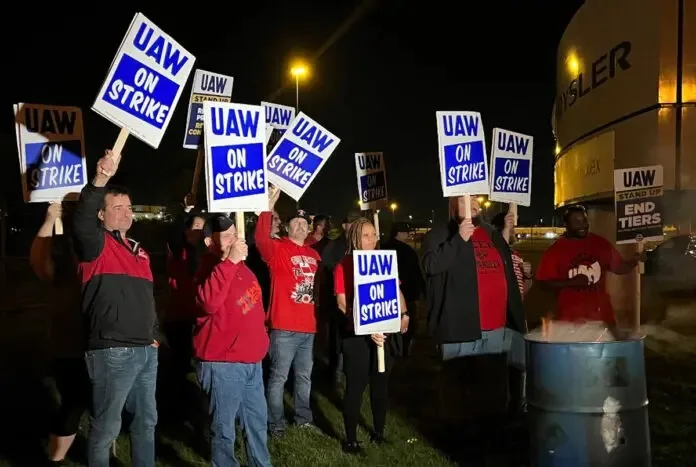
x,y
588,404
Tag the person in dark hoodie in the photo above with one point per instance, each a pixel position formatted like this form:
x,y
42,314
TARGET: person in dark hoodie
x,y
230,341
474,302
410,275
182,262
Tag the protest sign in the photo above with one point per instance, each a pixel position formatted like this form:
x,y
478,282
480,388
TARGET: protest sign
x,y
511,167
278,120
376,306
638,199
51,145
144,82
462,153
299,156
235,138
206,86
372,180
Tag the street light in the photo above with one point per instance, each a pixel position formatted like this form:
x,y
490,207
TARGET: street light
x,y
393,207
480,199
487,204
298,70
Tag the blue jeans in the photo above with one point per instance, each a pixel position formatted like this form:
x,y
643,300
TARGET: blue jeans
x,y
122,378
497,341
235,389
290,349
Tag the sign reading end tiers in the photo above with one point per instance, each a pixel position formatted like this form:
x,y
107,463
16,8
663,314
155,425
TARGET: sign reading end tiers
x,y
144,82
639,212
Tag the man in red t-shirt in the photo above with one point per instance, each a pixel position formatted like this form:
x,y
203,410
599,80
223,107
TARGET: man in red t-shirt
x,y
575,268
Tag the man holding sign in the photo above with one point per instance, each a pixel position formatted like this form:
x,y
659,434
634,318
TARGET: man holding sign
x,y
380,305
119,307
474,302
292,319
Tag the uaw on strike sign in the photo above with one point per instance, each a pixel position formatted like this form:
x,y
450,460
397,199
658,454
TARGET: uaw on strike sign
x,y
144,82
206,86
638,194
376,306
372,180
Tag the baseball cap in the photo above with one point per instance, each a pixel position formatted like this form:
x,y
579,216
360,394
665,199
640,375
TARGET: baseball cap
x,y
217,223
299,214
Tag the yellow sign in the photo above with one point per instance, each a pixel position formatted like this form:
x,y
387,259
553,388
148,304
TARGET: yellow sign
x,y
585,170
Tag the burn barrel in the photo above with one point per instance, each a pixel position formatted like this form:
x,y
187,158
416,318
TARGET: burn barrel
x,y
588,404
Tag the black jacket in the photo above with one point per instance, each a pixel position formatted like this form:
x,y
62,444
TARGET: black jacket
x,y
452,287
117,290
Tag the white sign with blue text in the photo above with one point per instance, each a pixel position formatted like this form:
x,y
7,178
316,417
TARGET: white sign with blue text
x,y
235,150
462,152
299,156
376,306
206,86
51,143
372,180
511,167
278,119
144,82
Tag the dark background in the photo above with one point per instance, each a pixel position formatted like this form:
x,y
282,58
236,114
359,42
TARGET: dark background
x,y
380,70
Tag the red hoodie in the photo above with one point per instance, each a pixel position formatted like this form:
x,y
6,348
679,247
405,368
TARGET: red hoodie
x,y
292,269
230,326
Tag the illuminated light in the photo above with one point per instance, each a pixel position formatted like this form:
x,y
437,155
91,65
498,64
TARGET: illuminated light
x,y
558,149
573,64
480,199
393,206
487,204
299,70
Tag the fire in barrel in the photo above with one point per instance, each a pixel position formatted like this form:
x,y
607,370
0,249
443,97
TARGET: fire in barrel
x,y
587,397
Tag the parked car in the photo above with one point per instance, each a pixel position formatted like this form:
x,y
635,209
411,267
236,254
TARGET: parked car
x,y
670,268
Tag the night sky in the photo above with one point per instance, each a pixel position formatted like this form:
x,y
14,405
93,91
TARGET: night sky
x,y
376,84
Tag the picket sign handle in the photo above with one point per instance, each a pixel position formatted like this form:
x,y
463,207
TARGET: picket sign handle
x,y
120,142
375,221
381,367
640,271
467,207
58,226
197,171
512,208
241,228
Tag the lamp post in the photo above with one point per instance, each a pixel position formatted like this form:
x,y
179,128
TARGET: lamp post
x,y
393,207
298,70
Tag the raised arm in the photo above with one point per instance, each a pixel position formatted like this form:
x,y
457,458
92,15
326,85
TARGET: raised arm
x,y
40,255
88,234
262,234
440,251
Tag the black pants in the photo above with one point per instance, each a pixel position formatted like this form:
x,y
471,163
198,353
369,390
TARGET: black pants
x,y
180,339
72,382
360,368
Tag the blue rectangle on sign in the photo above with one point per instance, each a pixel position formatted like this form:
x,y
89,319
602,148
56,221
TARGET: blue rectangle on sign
x,y
292,163
237,170
511,175
194,125
372,187
378,301
54,165
464,163
141,91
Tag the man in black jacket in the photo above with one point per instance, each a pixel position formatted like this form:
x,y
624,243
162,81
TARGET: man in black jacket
x,y
474,303
119,310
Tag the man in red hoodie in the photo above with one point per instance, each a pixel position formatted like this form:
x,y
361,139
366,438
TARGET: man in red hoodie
x,y
230,341
292,320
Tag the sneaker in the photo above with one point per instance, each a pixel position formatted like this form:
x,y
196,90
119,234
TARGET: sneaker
x,y
309,427
353,448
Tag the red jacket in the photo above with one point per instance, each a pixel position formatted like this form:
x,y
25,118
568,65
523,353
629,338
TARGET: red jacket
x,y
292,269
230,326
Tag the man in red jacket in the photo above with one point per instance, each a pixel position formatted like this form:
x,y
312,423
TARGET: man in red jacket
x,y
292,320
230,341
